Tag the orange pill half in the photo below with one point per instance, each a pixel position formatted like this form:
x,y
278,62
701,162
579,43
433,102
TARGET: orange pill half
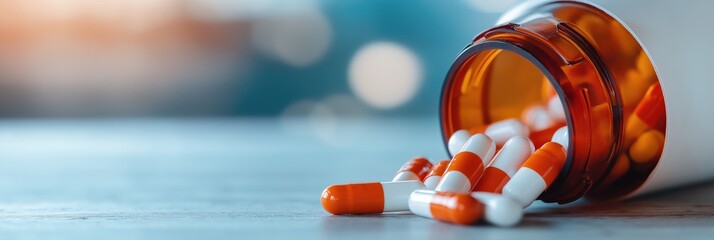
x,y
450,207
543,136
651,107
434,176
415,169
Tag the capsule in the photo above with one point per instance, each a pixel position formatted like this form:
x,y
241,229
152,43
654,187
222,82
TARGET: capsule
x,y
503,130
468,165
647,148
555,109
561,137
372,197
500,210
466,209
649,114
543,136
434,176
651,108
537,118
505,164
415,169
536,174
449,207
457,140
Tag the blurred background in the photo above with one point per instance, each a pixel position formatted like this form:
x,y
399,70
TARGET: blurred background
x,y
164,101
246,58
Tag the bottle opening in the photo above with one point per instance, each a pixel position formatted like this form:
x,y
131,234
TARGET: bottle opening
x,y
609,97
496,81
499,84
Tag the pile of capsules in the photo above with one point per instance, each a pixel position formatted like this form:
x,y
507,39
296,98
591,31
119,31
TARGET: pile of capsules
x,y
477,183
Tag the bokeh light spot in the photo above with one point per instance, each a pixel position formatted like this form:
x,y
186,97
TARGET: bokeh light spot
x,y
385,75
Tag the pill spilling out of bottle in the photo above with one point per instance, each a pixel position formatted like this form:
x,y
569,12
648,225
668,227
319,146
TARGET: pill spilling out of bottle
x,y
477,184
496,170
480,183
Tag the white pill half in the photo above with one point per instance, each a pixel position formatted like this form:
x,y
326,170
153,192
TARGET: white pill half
x,y
503,130
405,176
537,118
396,194
500,210
513,154
431,182
555,109
483,146
561,137
457,141
525,186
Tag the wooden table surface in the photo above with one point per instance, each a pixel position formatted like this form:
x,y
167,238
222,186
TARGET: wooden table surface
x,y
262,178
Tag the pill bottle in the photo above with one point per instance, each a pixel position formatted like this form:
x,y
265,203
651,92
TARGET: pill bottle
x,y
634,79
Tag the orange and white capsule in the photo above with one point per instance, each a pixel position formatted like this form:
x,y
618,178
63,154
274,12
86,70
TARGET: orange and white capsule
x,y
372,197
536,174
415,169
503,130
434,176
505,164
468,165
649,114
459,208
537,118
466,209
457,141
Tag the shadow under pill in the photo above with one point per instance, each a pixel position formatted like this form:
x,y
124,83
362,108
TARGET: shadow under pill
x,y
341,223
533,223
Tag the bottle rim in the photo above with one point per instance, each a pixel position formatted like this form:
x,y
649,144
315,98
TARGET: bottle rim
x,y
534,51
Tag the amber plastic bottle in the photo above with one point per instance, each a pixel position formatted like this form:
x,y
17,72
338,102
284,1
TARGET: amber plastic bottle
x,y
639,114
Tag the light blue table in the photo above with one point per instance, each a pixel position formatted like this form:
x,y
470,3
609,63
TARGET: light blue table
x,y
262,178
